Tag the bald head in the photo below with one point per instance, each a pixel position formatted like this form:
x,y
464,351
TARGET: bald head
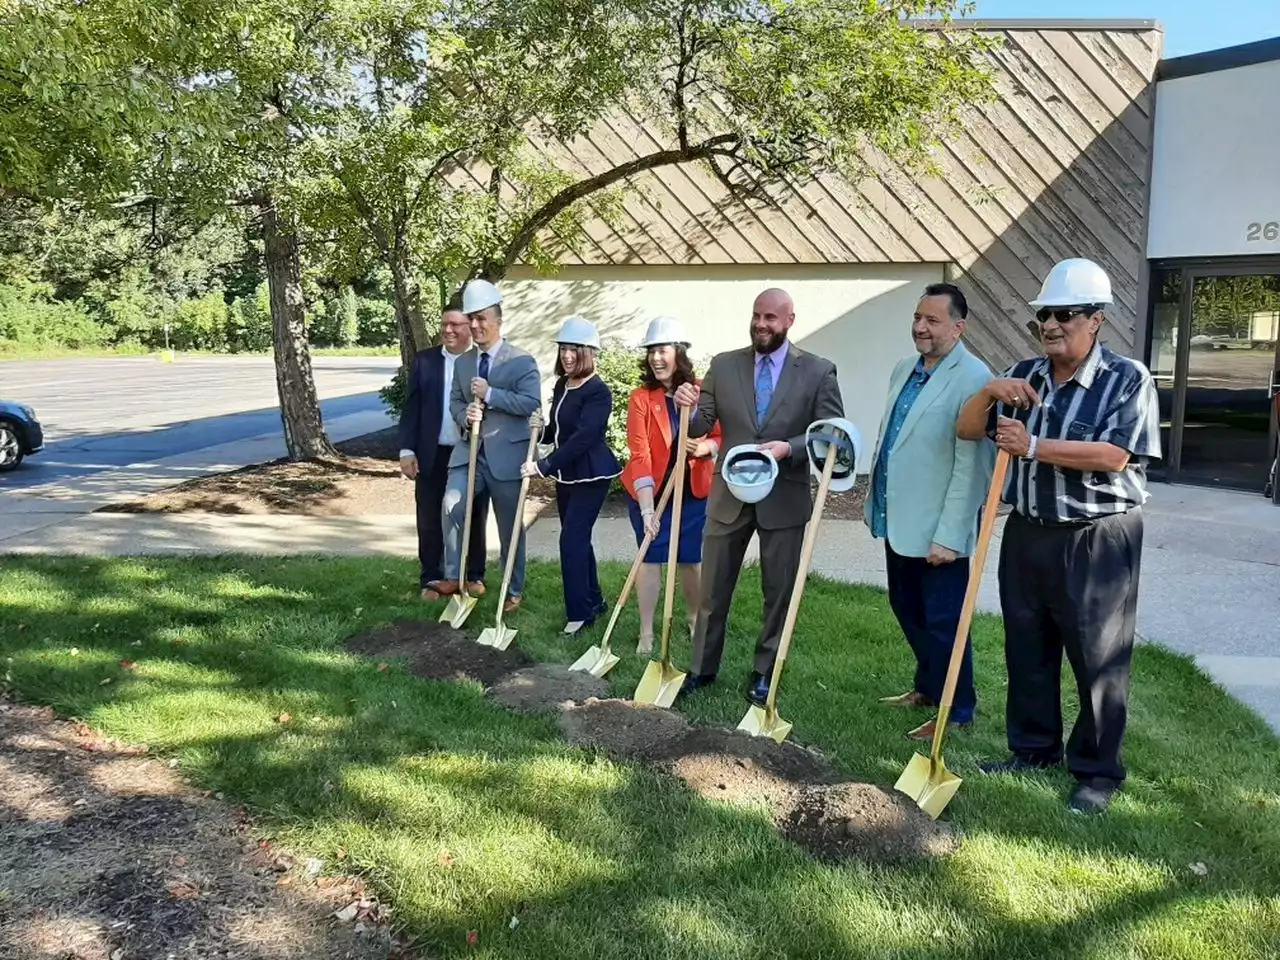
x,y
771,317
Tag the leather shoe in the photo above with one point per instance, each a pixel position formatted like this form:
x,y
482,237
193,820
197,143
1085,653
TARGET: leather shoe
x,y
696,681
1016,764
926,730
512,604
475,588
912,698
758,689
1091,796
440,588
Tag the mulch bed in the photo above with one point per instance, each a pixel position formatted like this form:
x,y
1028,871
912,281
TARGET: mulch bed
x,y
365,482
109,855
808,802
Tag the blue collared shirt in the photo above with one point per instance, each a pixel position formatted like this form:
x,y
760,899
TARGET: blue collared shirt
x,y
902,406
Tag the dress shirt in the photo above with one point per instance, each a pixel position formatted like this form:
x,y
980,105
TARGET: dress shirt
x,y
901,407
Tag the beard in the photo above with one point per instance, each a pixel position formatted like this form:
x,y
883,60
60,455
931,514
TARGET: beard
x,y
765,341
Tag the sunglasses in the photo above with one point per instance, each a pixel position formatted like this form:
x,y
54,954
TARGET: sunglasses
x,y
1065,314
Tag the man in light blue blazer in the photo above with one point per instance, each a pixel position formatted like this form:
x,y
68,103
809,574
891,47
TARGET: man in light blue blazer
x,y
927,490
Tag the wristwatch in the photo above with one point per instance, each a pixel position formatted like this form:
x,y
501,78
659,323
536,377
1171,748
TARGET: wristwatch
x,y
1031,449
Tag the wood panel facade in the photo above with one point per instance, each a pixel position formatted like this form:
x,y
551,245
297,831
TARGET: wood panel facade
x,y
1057,166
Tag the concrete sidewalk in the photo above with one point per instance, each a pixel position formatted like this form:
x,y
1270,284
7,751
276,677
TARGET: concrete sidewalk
x,y
1210,578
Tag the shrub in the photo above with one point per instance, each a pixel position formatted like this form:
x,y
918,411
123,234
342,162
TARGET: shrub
x,y
30,317
394,393
619,367
376,322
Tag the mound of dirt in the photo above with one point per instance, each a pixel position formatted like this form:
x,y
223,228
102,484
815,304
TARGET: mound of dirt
x,y
830,818
865,821
436,651
546,688
108,854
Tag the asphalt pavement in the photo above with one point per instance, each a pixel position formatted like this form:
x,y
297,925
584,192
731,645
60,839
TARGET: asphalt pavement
x,y
111,413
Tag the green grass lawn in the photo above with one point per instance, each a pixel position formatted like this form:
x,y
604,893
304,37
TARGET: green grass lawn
x,y
607,860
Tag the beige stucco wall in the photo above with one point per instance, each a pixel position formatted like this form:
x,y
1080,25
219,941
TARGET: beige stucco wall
x,y
858,315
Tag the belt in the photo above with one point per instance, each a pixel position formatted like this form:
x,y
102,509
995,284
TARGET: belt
x,y
1063,524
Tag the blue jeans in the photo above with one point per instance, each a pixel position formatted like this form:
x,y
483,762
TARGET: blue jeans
x,y
503,495
927,601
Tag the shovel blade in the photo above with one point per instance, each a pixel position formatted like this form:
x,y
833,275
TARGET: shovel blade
x,y
499,637
659,684
930,786
761,722
597,661
458,609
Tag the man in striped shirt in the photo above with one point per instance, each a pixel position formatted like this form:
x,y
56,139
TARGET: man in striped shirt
x,y
1080,424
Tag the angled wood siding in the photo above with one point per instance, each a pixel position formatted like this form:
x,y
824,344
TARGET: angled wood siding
x,y
1056,167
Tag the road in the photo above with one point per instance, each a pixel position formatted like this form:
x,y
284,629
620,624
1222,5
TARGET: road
x,y
103,414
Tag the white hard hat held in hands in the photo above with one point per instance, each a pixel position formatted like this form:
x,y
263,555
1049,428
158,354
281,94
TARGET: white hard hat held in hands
x,y
848,443
1073,283
479,295
749,473
663,330
579,332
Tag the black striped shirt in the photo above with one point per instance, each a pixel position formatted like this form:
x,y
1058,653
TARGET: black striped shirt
x,y
1110,399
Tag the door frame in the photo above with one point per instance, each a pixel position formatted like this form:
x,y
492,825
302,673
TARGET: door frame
x,y
1193,268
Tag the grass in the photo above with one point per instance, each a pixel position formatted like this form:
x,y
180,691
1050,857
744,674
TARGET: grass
x,y
12,351
604,860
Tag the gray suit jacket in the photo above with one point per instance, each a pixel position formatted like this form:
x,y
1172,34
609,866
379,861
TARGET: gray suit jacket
x,y
516,392
937,482
807,391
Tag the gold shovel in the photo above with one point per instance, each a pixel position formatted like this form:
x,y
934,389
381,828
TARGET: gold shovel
x,y
599,660
926,780
764,721
499,635
462,603
661,682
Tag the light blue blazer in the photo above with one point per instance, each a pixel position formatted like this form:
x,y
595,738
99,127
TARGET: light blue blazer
x,y
937,482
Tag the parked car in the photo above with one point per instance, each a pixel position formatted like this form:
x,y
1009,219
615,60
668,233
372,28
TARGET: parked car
x,y
20,434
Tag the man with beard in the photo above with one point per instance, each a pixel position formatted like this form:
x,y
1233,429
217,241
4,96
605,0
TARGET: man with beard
x,y
1080,424
927,488
766,394
428,435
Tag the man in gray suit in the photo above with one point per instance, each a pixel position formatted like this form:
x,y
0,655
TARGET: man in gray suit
x,y
496,389
767,394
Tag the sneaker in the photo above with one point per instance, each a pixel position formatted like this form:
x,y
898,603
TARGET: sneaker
x,y
1091,797
1016,764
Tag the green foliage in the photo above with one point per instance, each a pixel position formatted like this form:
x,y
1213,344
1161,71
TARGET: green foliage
x,y
619,367
394,394
347,333
376,323
30,317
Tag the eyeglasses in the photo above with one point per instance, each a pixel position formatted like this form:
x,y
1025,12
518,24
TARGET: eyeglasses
x,y
1065,314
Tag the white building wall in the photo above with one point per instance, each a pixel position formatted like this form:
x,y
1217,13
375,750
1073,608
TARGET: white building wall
x,y
1215,178
859,316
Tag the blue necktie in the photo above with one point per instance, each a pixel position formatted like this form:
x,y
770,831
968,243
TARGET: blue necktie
x,y
484,366
764,388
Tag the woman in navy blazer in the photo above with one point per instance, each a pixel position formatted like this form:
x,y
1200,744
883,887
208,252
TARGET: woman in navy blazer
x,y
582,465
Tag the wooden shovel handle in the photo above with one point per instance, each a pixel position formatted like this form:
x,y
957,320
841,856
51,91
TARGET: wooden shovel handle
x,y
989,510
635,568
516,525
802,572
673,546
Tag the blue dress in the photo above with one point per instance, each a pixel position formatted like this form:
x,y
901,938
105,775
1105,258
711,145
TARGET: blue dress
x,y
693,512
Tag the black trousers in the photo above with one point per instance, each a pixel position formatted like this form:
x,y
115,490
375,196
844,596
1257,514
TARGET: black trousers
x,y
428,497
1072,589
579,506
723,548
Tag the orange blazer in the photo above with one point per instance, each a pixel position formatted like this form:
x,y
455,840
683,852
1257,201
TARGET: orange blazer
x,y
649,441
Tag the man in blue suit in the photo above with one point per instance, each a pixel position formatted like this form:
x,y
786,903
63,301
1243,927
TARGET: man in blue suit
x,y
428,435
927,490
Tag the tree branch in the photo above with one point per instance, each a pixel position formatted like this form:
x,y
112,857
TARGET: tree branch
x,y
570,195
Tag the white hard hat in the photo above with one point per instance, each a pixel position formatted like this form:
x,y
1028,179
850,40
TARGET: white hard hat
x,y
479,295
664,330
1074,283
837,431
580,332
749,473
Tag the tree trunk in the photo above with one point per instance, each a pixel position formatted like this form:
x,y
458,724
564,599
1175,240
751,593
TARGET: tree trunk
x,y
304,434
413,331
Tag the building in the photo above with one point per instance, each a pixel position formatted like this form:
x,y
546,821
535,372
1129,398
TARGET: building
x,y
1094,147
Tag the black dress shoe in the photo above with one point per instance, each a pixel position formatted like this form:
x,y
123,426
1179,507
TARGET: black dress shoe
x,y
696,681
1016,764
758,689
1091,796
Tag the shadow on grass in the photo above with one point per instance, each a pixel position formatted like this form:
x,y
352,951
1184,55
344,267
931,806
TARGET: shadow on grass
x,y
468,815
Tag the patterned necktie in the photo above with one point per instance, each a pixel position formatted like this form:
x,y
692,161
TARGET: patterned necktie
x,y
483,373
764,388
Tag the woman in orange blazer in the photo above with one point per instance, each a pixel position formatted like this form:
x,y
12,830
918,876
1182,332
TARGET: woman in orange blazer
x,y
653,427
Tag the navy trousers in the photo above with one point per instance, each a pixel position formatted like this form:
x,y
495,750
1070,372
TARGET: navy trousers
x,y
579,505
927,601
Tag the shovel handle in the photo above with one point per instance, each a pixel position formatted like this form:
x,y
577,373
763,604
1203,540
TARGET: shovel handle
x,y
472,456
989,510
797,589
673,544
517,523
635,569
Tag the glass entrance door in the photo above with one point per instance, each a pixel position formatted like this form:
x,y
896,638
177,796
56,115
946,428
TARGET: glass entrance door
x,y
1228,355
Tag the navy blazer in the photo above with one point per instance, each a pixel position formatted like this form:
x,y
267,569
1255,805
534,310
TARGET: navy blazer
x,y
424,406
576,427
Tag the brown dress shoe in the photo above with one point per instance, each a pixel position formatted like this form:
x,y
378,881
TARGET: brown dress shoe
x,y
512,604
913,698
430,593
445,588
475,588
925,730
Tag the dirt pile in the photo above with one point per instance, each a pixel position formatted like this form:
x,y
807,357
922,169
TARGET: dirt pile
x,y
546,688
436,651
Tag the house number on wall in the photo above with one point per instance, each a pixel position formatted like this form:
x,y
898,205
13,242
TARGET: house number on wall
x,y
1262,231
